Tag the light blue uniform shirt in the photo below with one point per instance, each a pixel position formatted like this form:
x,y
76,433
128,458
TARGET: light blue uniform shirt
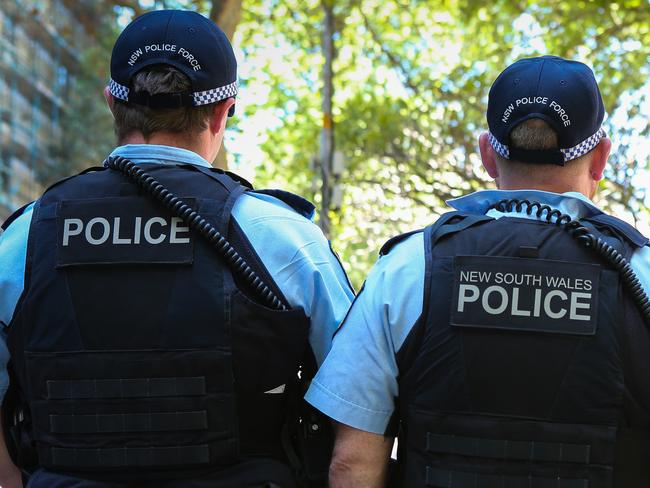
x,y
292,248
357,384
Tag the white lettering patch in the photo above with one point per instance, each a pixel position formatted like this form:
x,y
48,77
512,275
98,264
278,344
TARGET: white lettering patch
x,y
120,230
98,230
525,294
178,51
538,100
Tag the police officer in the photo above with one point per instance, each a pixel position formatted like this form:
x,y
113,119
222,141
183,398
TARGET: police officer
x,y
502,344
139,356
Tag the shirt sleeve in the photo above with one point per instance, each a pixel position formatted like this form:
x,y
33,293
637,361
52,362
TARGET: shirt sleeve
x,y
299,258
640,263
13,251
357,383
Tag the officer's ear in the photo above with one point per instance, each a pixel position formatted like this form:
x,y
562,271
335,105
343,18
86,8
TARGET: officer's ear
x,y
488,156
219,115
599,159
109,98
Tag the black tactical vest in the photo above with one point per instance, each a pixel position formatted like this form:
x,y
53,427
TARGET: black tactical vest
x,y
136,353
515,375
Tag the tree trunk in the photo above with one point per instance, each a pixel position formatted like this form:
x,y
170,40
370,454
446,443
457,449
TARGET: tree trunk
x,y
327,131
226,14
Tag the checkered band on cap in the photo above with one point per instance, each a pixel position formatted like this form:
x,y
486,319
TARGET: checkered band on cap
x,y
118,91
569,154
584,147
501,149
215,95
200,98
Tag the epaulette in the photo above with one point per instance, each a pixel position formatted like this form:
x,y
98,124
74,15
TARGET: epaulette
x,y
299,204
393,241
14,216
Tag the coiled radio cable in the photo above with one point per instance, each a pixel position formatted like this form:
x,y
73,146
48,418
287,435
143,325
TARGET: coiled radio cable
x,y
584,236
195,221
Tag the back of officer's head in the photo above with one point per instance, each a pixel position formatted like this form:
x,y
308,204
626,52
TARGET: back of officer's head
x,y
544,116
169,68
538,135
130,117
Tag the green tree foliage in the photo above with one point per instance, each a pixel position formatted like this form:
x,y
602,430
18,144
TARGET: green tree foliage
x,y
87,124
411,83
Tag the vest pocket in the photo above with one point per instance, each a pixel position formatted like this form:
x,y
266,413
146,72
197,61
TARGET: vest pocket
x,y
268,345
268,348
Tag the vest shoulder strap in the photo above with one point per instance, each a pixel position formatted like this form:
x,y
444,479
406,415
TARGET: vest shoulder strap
x,y
301,205
448,223
228,180
622,228
90,169
452,222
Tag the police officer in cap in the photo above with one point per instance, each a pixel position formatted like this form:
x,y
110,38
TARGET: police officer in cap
x,y
148,346
506,344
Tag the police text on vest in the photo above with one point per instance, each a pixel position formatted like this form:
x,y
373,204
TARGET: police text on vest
x,y
524,294
114,231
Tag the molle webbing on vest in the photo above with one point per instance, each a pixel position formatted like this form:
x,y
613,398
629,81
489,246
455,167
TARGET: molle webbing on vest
x,y
83,421
128,422
120,457
125,388
440,478
558,452
478,450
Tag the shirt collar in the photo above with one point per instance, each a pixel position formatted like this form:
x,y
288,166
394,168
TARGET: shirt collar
x,y
157,154
575,204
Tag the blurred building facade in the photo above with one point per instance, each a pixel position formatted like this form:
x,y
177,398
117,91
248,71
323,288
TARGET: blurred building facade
x,y
42,42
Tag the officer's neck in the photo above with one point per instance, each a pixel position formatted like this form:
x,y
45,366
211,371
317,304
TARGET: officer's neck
x,y
200,143
558,186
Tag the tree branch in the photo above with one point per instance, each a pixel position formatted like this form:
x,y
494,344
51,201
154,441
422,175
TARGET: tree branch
x,y
131,4
395,62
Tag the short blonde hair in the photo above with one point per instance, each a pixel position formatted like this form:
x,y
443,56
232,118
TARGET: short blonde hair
x,y
534,134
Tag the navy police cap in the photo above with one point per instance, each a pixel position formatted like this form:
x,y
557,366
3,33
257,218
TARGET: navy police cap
x,y
183,39
561,92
